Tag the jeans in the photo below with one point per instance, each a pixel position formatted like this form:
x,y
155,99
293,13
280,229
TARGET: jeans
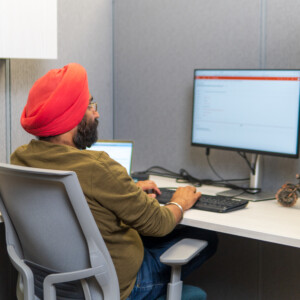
x,y
153,276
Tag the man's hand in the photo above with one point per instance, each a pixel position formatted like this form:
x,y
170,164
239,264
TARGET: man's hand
x,y
149,187
186,197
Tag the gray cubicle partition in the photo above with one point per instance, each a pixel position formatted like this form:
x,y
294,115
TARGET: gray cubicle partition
x,y
157,45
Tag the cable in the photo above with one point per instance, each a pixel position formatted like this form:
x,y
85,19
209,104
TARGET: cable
x,y
191,179
161,171
224,183
211,167
184,177
244,156
227,180
221,183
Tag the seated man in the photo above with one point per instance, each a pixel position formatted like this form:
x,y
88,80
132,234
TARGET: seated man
x,y
136,229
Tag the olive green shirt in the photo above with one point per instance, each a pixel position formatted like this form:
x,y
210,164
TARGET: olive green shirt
x,y
122,210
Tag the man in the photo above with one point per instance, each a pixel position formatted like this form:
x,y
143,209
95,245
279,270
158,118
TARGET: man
x,y
136,229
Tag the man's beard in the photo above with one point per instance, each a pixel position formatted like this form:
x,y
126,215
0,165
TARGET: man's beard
x,y
86,133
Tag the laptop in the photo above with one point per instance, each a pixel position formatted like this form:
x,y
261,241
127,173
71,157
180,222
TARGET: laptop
x,y
120,151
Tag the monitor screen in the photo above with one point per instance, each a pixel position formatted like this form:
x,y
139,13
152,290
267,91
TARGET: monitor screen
x,y
247,110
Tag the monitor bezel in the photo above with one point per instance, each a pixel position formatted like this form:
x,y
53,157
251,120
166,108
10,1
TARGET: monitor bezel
x,y
237,149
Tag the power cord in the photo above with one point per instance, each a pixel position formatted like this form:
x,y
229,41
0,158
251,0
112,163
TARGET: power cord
x,y
224,183
251,167
210,165
160,171
185,177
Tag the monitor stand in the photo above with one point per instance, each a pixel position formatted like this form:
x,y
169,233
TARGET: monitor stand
x,y
255,183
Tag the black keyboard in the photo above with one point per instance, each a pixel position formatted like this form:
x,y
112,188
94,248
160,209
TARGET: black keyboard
x,y
215,203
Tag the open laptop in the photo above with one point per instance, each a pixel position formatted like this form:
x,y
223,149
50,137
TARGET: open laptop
x,y
120,151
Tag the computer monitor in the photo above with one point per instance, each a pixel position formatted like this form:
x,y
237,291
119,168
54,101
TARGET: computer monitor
x,y
254,111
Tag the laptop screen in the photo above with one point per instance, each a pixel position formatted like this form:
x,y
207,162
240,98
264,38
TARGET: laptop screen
x,y
120,151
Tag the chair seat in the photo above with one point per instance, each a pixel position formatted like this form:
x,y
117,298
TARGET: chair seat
x,y
190,292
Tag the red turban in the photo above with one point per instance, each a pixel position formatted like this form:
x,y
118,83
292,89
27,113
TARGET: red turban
x,y
57,101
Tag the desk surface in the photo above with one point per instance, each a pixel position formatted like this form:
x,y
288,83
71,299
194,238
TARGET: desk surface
x,y
265,220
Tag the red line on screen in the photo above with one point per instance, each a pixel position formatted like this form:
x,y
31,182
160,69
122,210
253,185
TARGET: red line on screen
x,y
248,78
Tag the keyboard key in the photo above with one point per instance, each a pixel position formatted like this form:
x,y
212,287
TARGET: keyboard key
x,y
166,195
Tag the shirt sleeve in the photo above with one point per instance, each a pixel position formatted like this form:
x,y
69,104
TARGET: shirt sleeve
x,y
113,188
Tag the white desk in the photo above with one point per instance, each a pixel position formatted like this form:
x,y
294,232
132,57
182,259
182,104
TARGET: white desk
x,y
266,220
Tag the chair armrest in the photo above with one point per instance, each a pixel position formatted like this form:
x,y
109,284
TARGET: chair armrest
x,y
50,280
75,275
182,252
27,287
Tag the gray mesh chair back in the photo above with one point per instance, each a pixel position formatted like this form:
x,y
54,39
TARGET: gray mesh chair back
x,y
50,231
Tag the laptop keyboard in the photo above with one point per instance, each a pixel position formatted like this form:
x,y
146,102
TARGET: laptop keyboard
x,y
215,203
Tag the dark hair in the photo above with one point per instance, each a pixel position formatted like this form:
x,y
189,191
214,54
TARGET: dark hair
x,y
45,138
86,134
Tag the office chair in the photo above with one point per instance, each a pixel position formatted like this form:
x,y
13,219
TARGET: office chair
x,y
54,242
